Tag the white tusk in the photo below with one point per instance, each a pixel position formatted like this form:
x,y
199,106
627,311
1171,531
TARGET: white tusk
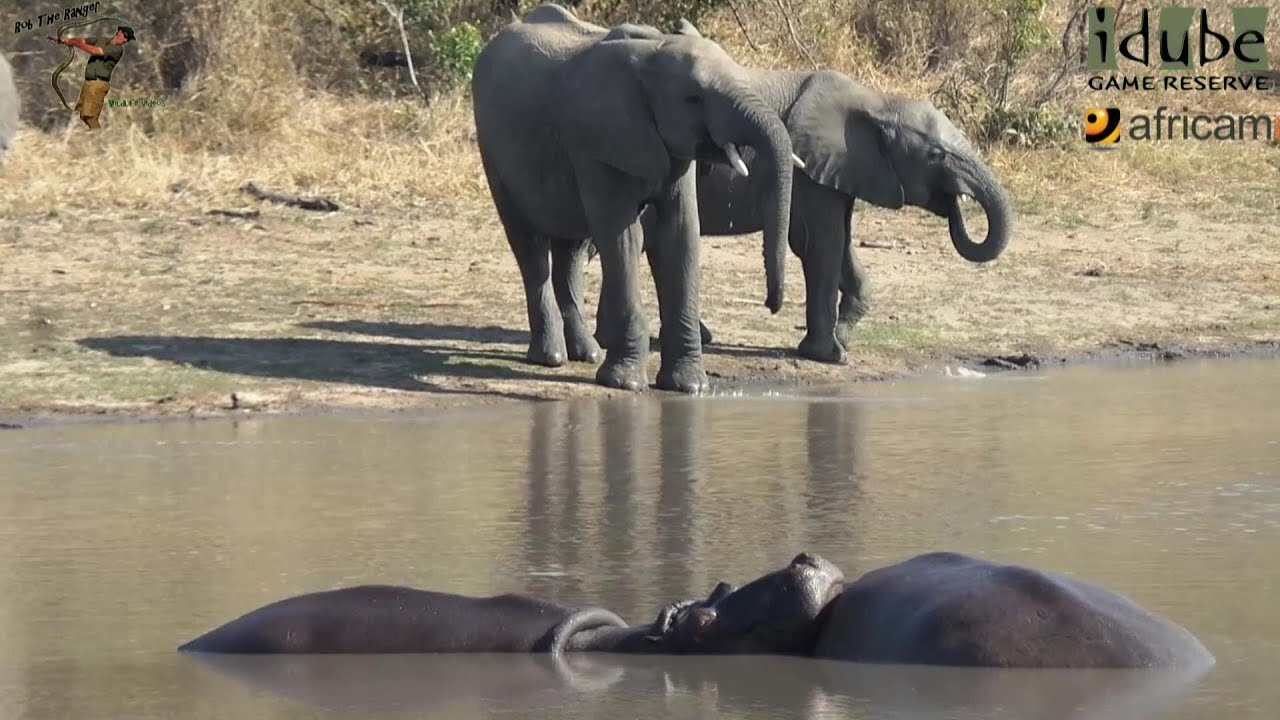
x,y
798,162
735,159
964,197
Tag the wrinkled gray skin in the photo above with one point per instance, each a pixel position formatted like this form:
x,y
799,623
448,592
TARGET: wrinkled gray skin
x,y
856,143
385,619
578,129
940,609
9,107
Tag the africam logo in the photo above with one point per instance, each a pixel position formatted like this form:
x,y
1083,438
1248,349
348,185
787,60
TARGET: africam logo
x,y
1103,128
1173,41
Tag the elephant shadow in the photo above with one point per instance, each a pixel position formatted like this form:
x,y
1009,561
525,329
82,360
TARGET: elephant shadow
x,y
498,335
422,331
392,366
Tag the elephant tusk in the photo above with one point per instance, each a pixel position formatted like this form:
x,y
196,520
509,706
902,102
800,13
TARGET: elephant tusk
x,y
797,161
735,159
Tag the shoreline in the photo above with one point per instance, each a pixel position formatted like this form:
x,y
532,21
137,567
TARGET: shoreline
x,y
1121,353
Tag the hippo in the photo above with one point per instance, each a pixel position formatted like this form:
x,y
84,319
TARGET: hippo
x,y
939,608
379,619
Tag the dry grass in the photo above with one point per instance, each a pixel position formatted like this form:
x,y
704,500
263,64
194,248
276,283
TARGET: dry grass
x,y
416,267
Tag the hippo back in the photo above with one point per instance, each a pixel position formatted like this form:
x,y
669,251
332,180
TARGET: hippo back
x,y
952,609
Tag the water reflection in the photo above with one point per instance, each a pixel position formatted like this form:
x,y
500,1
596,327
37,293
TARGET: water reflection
x,y
592,685
120,541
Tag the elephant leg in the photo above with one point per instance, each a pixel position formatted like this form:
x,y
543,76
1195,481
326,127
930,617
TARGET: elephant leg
x,y
854,298
674,245
566,278
532,251
613,225
822,253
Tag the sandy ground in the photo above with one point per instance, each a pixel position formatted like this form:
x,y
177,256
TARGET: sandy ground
x,y
182,312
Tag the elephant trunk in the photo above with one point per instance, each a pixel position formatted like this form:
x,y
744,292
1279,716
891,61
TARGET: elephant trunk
x,y
755,124
988,192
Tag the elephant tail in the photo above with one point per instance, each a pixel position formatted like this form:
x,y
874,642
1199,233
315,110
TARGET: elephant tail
x,y
557,639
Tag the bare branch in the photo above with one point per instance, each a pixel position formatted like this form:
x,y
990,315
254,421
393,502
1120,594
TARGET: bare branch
x,y
397,14
791,28
733,8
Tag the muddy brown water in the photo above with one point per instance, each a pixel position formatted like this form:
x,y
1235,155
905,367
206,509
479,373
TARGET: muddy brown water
x,y
120,541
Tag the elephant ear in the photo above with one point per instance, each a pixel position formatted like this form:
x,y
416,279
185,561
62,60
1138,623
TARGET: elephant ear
x,y
603,110
843,143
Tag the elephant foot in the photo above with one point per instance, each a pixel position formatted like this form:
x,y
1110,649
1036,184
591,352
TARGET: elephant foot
x,y
844,331
584,349
706,332
545,355
847,321
684,376
622,374
825,350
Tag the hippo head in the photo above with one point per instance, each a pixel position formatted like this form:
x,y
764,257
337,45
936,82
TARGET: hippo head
x,y
777,613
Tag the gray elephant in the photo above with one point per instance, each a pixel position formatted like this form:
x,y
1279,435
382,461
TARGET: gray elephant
x,y
9,107
579,128
854,142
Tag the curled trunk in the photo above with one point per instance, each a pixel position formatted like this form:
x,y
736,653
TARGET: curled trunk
x,y
989,194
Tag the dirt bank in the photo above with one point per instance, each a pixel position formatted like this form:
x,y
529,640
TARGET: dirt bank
x,y
181,312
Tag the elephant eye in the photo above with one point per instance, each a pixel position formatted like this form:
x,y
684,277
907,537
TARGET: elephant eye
x,y
936,153
693,99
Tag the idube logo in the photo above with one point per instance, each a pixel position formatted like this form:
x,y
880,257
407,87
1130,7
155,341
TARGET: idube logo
x,y
1183,39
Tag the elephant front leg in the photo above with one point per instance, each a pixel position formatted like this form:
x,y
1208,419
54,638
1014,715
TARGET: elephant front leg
x,y
674,250
822,286
567,257
608,199
855,301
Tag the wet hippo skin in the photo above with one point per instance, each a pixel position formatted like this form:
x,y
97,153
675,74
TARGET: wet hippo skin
x,y
950,609
391,619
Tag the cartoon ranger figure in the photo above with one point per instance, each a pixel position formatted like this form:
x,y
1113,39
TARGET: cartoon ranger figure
x,y
104,54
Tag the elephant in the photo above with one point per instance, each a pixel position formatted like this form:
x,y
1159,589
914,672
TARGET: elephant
x,y
938,608
390,619
854,143
578,128
9,107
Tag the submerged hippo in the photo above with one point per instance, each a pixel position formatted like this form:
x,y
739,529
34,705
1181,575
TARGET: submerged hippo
x,y
391,619
940,608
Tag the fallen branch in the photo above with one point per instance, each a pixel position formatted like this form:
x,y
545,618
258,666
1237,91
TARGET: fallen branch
x,y
238,214
306,203
397,14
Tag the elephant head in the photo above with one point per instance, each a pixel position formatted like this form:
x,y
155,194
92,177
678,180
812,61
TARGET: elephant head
x,y
893,151
643,98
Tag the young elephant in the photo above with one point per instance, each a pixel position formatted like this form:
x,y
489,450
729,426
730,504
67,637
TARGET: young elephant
x,y
578,128
939,608
854,143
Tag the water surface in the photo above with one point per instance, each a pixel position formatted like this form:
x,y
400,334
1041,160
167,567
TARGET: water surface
x,y
120,541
